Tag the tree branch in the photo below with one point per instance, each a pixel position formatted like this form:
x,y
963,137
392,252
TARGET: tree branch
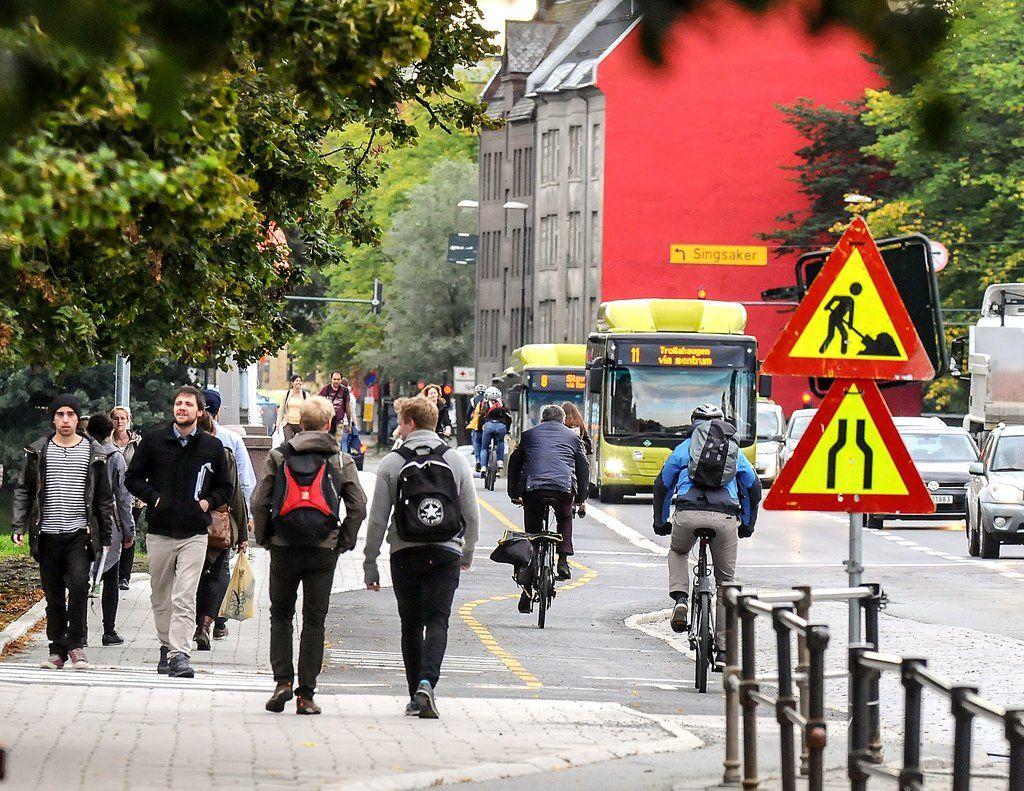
x,y
426,105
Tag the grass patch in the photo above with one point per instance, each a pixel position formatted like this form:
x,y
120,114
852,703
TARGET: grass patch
x,y
8,547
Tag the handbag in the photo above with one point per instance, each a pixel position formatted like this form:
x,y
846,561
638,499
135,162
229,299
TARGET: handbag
x,y
219,532
240,600
513,548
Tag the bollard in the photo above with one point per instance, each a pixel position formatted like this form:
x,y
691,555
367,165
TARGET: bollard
x,y
1013,724
785,701
860,718
731,773
963,722
748,684
803,661
911,777
871,607
816,731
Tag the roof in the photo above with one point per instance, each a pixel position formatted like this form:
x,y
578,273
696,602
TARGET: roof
x,y
549,355
672,315
526,44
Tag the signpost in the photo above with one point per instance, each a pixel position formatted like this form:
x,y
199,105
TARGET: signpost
x,y
463,380
721,254
462,248
851,326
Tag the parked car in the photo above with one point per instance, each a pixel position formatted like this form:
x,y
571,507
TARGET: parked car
x,y
918,422
771,424
798,423
943,456
995,495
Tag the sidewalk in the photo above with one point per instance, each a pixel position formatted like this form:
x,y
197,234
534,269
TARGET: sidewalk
x,y
124,726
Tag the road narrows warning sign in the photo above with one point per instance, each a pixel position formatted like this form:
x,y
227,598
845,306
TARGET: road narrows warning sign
x,y
851,458
851,322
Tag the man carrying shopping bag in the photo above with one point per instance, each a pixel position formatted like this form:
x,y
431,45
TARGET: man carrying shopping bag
x,y
307,510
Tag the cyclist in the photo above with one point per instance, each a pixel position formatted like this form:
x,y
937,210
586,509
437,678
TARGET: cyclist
x,y
494,425
548,464
473,422
730,510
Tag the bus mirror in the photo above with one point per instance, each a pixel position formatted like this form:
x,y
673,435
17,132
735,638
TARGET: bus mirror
x,y
594,374
513,397
764,385
746,443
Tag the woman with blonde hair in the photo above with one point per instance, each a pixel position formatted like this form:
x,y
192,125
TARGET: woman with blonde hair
x,y
126,441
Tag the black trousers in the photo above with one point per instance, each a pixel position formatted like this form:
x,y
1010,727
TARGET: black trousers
x,y
533,515
314,569
425,580
213,584
64,573
111,596
127,559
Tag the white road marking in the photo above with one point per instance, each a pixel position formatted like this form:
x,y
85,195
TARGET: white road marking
x,y
634,537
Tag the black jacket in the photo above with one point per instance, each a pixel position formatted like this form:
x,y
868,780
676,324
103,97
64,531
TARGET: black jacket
x,y
444,420
549,456
164,470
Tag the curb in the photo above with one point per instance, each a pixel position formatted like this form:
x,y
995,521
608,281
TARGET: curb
x,y
19,628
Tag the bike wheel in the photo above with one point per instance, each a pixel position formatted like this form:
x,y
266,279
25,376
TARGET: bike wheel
x,y
702,619
543,585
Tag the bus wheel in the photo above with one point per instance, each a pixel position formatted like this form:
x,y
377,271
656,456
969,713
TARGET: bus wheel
x,y
592,489
609,494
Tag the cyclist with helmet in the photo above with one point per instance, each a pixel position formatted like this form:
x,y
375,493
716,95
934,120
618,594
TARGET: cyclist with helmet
x,y
729,510
473,422
495,422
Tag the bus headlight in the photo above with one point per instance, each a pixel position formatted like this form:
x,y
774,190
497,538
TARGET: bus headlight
x,y
614,467
1004,493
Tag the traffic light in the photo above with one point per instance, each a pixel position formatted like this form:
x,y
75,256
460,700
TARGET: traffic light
x,y
377,303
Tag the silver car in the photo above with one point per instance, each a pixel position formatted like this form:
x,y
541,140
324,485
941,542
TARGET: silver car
x,y
995,494
798,423
770,426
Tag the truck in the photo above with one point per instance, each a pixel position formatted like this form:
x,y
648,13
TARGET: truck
x,y
991,357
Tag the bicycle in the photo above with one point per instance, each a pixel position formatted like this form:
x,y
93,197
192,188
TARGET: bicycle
x,y
542,569
702,617
491,470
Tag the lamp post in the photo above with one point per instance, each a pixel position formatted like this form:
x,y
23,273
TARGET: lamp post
x,y
517,206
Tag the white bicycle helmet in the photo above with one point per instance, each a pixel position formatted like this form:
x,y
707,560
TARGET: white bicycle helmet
x,y
479,389
492,394
707,412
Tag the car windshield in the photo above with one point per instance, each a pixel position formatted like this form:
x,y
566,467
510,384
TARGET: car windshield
x,y
659,401
940,447
768,424
1009,455
798,425
535,403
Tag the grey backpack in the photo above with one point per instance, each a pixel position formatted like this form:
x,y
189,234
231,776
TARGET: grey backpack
x,y
714,452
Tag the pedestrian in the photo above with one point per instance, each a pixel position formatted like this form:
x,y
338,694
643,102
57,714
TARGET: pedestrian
x,y
126,441
430,516
306,527
338,393
574,420
288,414
62,500
214,582
495,423
228,530
473,426
182,475
100,427
444,420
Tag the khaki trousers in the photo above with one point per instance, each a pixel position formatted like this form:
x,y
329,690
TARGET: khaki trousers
x,y
175,565
723,555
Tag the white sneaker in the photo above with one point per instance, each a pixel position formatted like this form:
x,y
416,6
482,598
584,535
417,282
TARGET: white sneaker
x,y
77,660
501,465
53,662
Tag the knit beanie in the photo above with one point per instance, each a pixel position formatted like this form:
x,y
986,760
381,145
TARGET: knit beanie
x,y
68,400
212,401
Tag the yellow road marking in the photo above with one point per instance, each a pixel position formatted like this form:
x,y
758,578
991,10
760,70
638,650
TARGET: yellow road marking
x,y
484,634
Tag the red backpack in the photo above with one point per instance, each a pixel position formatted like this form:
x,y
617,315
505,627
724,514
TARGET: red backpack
x,y
306,504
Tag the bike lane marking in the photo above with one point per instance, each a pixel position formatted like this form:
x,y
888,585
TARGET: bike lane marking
x,y
484,634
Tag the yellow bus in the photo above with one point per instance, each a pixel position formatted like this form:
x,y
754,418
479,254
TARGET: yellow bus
x,y
650,362
542,374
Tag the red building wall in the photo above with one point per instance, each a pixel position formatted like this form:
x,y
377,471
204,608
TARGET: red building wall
x,y
695,151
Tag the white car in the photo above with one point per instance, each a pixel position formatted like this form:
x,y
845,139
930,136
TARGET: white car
x,y
771,424
798,423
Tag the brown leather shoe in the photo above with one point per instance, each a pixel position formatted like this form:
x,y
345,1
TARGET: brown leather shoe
x,y
305,706
282,694
202,635
220,632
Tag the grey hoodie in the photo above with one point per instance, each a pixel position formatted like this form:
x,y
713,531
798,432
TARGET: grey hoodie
x,y
124,524
381,521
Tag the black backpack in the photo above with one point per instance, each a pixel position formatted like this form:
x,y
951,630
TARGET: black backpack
x,y
714,454
306,503
427,507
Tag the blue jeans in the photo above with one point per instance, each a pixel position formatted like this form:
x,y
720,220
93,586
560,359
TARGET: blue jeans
x,y
477,438
493,431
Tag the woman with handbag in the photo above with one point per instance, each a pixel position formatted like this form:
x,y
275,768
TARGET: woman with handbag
x,y
229,528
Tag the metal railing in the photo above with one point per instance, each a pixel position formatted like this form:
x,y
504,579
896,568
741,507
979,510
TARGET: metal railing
x,y
866,666
789,611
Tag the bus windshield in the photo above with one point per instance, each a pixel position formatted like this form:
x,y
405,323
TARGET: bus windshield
x,y
659,401
536,401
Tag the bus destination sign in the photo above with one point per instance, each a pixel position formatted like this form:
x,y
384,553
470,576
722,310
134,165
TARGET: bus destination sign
x,y
558,380
680,355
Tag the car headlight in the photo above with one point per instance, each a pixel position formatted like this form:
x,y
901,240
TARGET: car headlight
x,y
614,466
1004,493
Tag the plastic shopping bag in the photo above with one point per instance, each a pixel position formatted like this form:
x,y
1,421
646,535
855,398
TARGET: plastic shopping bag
x,y
277,438
240,600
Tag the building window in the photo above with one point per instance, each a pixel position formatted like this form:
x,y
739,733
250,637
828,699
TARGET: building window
x,y
498,182
596,156
528,252
595,238
549,157
575,153
485,175
575,251
592,320
549,241
528,187
546,316
573,305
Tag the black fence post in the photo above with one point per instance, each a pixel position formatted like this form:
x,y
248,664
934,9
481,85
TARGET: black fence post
x,y
785,701
731,773
748,685
871,606
860,718
1014,729
803,661
963,722
911,777
816,731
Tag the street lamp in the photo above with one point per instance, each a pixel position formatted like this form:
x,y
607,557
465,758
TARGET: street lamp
x,y
466,203
517,206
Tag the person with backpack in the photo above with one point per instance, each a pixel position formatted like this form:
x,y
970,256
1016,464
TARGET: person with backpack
x,y
713,486
339,394
291,404
494,424
425,502
307,509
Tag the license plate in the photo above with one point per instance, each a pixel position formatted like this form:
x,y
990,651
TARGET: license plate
x,y
942,499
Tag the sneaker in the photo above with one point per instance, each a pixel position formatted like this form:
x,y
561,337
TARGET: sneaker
x,y
112,638
282,694
53,662
123,585
425,697
412,709
77,660
501,465
202,635
179,667
305,706
679,613
220,632
162,666
562,572
525,602
477,469
719,664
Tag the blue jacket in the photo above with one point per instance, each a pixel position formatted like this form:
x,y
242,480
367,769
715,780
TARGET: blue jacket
x,y
741,494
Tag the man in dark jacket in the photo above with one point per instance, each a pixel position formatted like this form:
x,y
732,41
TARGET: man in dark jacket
x,y
293,562
63,501
549,466
181,474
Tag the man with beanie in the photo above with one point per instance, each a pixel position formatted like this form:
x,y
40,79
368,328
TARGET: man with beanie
x,y
63,502
181,474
